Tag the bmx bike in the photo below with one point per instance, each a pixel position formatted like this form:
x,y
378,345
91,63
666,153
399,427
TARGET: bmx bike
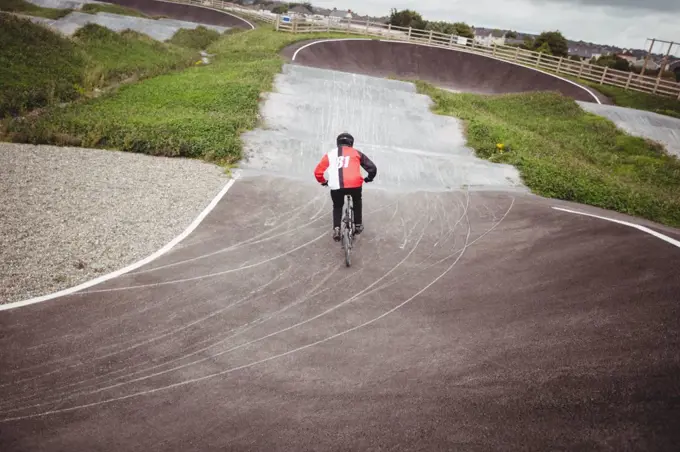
x,y
348,227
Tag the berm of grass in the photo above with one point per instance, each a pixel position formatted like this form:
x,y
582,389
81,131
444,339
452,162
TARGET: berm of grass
x,y
566,153
29,9
199,112
199,38
640,101
39,67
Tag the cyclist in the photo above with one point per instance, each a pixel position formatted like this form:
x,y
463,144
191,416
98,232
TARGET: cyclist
x,y
344,178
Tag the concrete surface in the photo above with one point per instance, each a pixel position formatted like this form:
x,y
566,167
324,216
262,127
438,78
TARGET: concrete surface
x,y
447,68
160,30
63,4
412,147
646,124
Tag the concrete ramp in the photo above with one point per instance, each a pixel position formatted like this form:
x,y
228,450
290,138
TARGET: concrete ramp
x,y
160,30
646,124
452,69
413,148
63,4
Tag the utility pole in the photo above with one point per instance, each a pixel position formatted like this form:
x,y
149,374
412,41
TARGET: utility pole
x,y
664,62
644,65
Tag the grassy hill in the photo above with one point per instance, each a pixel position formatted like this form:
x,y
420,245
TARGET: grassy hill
x,y
39,67
566,153
29,9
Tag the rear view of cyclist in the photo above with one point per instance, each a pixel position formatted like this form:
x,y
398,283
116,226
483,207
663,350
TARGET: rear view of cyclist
x,y
344,178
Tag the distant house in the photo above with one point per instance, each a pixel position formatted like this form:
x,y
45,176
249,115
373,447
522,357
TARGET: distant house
x,y
513,41
651,64
627,56
337,16
487,38
585,52
299,10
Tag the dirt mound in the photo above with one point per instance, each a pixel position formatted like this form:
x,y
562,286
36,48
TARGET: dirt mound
x,y
459,71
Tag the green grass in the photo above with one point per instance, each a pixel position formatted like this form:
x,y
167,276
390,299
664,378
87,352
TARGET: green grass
x,y
641,101
29,9
199,112
94,8
565,153
632,99
37,66
199,38
115,56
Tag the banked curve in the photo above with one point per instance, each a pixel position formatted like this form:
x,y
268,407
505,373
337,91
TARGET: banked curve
x,y
448,68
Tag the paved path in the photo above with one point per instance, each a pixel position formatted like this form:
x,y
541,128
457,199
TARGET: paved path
x,y
470,320
480,321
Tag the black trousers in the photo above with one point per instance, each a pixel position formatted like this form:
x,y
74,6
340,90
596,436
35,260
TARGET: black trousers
x,y
338,197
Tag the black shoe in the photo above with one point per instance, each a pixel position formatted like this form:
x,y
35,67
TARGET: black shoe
x,y
358,229
336,234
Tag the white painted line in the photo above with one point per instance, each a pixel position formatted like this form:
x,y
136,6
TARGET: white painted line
x,y
327,40
134,266
207,7
455,50
665,238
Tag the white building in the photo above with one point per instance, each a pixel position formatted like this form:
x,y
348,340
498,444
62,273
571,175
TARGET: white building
x,y
337,16
488,38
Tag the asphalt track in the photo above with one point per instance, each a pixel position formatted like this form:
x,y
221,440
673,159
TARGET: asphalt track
x,y
191,13
470,320
456,70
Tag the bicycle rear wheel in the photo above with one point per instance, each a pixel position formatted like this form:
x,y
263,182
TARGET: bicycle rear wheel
x,y
346,244
350,213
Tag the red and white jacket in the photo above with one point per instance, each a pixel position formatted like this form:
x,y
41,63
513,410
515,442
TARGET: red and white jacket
x,y
344,168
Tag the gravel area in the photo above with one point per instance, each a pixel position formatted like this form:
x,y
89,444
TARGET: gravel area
x,y
68,215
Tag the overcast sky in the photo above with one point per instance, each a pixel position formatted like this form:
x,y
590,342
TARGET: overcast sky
x,y
625,23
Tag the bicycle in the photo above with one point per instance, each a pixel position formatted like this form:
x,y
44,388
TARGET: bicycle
x,y
348,227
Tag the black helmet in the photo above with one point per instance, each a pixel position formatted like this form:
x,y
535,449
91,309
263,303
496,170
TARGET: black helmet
x,y
345,139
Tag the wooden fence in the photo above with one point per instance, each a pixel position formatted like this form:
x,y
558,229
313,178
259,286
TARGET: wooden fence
x,y
556,65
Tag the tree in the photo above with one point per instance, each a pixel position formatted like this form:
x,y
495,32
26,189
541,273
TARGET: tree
x,y
544,48
614,62
280,9
511,35
441,27
556,42
407,18
463,29
458,28
305,5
